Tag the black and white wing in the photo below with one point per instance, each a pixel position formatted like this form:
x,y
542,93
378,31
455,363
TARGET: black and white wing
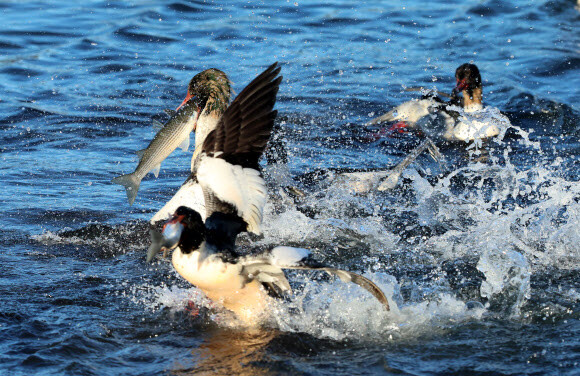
x,y
268,269
228,170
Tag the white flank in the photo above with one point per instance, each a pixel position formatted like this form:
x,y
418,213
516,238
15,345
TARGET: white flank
x,y
413,110
190,194
242,187
288,256
480,124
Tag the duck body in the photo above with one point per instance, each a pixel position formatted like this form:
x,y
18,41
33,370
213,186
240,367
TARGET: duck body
x,y
224,283
226,173
205,256
455,124
476,123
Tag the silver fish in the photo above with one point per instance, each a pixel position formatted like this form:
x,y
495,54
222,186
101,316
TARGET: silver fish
x,y
164,241
173,134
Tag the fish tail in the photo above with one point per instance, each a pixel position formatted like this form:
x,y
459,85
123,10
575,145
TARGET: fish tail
x,y
155,247
131,184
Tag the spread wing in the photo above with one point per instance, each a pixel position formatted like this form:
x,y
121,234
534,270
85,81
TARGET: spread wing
x,y
244,129
228,171
268,269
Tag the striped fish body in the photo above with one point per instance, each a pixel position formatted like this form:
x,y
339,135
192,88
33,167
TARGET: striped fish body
x,y
173,134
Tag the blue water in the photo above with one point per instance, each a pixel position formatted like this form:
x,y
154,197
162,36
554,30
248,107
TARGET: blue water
x,y
481,260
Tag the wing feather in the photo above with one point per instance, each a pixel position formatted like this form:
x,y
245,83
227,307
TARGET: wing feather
x,y
268,269
228,169
246,125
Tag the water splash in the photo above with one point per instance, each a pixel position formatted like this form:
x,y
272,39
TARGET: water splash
x,y
507,279
329,309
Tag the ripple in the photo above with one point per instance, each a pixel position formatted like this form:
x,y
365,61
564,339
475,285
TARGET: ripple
x,y
129,33
22,72
560,67
35,361
38,33
112,68
187,8
10,46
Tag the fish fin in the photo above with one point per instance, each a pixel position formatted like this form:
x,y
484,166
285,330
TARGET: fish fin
x,y
170,112
155,247
140,153
156,170
131,184
184,144
157,124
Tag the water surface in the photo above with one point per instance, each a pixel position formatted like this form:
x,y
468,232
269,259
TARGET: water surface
x,y
480,260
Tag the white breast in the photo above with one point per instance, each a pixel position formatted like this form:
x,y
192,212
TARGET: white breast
x,y
242,187
223,284
207,273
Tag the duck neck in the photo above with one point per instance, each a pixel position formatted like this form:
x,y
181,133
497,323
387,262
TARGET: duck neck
x,y
473,101
216,99
206,123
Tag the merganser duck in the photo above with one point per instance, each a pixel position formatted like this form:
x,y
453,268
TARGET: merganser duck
x,y
460,119
227,171
214,87
207,98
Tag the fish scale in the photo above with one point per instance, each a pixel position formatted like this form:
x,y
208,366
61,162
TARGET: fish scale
x,y
175,132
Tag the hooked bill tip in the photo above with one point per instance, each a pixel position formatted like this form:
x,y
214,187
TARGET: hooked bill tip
x,y
187,98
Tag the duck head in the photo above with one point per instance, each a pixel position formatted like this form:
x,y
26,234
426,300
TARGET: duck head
x,y
210,90
185,229
468,82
